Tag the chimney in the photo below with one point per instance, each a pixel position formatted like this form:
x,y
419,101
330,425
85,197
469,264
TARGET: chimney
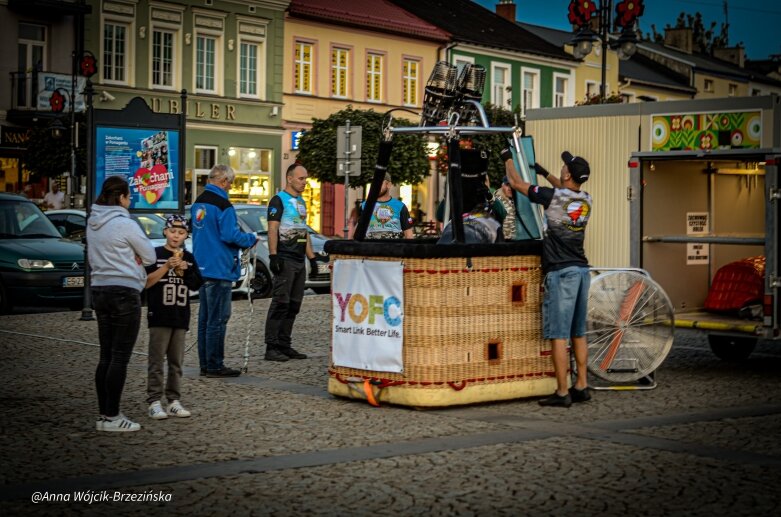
x,y
734,55
506,9
679,38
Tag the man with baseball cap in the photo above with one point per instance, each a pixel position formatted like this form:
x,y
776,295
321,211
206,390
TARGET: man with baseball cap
x,y
564,263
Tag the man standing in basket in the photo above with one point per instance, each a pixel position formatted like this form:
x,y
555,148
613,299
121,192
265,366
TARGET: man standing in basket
x,y
288,246
390,218
564,264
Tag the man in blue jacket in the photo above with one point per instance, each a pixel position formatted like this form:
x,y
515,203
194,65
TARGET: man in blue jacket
x,y
217,241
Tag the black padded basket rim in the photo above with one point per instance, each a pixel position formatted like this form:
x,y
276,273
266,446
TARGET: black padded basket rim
x,y
427,248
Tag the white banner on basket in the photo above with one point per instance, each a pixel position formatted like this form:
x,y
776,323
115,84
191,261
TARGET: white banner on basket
x,y
368,314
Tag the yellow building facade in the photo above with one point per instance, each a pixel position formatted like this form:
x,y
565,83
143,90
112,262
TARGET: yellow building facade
x,y
328,66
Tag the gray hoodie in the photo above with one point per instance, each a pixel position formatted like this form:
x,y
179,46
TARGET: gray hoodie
x,y
117,248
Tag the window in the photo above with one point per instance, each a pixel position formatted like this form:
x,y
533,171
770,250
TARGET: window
x,y
733,90
409,73
530,89
500,80
560,90
340,59
32,59
205,159
251,56
303,68
755,92
163,58
708,85
115,52
248,68
462,61
374,77
205,47
592,90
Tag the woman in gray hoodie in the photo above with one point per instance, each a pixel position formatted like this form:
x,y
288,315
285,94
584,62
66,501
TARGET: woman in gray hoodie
x,y
118,251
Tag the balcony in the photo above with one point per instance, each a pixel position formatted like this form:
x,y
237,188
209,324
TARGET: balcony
x,y
30,92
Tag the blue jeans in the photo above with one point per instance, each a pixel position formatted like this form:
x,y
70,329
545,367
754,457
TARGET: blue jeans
x,y
213,316
118,310
565,307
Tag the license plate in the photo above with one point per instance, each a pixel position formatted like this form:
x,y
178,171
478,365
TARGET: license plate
x,y
73,281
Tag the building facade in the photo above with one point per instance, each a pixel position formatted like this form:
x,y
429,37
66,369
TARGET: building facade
x,y
368,54
37,41
227,55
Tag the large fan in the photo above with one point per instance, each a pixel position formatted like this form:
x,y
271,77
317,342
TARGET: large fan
x,y
630,326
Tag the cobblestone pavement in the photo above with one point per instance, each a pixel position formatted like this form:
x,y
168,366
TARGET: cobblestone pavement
x,y
273,442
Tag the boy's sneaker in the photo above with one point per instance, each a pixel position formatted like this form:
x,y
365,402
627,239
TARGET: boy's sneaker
x,y
275,355
176,408
156,411
557,400
292,353
223,372
577,395
120,424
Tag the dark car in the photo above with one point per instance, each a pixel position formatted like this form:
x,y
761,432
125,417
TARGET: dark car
x,y
37,265
256,218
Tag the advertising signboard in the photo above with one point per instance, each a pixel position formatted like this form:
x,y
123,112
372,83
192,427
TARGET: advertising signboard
x,y
147,158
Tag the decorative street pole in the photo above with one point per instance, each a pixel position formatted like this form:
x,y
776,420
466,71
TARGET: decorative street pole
x,y
581,12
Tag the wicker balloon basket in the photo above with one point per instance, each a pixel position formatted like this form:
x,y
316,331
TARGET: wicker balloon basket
x,y
472,328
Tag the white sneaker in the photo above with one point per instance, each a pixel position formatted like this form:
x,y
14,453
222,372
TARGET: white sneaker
x,y
156,411
99,422
176,408
120,424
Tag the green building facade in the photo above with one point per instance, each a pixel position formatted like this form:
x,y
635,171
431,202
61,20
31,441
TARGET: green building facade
x,y
227,55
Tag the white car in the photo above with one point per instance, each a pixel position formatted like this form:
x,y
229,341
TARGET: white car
x,y
72,225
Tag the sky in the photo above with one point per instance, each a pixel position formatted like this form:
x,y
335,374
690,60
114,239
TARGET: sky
x,y
756,23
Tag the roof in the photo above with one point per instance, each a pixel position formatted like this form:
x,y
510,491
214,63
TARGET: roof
x,y
469,22
645,70
556,37
380,15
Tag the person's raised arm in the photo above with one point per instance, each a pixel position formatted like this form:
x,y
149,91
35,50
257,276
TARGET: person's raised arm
x,y
512,174
542,171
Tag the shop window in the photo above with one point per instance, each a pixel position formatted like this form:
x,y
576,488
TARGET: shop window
x,y
253,175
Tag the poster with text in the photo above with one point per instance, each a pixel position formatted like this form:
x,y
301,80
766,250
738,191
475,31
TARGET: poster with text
x,y
368,315
147,158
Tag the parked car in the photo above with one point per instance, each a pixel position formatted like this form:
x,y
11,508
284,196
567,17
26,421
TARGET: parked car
x,y
256,217
38,266
72,224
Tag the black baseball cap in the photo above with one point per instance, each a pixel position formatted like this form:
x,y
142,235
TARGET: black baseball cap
x,y
577,166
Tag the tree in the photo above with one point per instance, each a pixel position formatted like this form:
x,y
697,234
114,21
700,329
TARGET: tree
x,y
704,39
317,149
47,157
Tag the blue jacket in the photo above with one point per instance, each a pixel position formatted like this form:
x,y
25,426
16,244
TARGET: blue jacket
x,y
217,238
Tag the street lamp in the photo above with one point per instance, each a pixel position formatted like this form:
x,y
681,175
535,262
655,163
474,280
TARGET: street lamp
x,y
581,12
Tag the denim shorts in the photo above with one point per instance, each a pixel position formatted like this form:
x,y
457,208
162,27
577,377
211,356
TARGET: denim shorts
x,y
565,307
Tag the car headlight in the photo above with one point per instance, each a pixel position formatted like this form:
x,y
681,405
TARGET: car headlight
x,y
35,264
